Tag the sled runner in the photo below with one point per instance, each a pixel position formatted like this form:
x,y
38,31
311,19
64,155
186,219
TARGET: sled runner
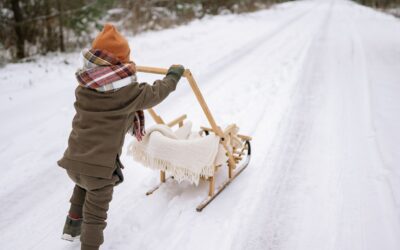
x,y
236,146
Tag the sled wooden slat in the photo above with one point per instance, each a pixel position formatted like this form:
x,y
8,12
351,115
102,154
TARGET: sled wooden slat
x,y
151,191
178,120
155,117
210,198
212,186
243,137
162,176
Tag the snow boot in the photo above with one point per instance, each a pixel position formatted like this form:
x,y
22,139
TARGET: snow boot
x,y
72,229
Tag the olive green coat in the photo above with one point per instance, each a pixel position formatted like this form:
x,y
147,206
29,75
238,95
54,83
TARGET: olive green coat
x,y
101,121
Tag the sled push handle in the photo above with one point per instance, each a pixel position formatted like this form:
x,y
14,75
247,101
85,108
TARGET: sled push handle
x,y
188,75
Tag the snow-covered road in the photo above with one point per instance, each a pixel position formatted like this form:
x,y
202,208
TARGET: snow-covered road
x,y
316,83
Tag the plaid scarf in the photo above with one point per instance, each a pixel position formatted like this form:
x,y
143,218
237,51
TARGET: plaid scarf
x,y
102,71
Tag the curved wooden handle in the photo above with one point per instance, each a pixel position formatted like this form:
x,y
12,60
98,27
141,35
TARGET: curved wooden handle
x,y
152,70
155,70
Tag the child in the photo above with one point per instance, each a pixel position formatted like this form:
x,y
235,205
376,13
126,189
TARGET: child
x,y
109,103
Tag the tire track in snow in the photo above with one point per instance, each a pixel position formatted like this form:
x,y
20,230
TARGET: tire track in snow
x,y
280,179
235,57
372,121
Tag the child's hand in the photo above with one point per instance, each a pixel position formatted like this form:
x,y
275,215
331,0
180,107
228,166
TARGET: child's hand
x,y
176,71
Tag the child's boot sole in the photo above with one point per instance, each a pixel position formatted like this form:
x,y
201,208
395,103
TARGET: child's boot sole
x,y
69,237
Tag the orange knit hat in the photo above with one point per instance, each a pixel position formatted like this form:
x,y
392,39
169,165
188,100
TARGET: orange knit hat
x,y
111,40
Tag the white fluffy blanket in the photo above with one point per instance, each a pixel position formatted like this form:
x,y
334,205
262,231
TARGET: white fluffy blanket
x,y
183,154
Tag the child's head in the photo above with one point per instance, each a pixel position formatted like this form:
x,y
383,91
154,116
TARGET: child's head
x,y
111,40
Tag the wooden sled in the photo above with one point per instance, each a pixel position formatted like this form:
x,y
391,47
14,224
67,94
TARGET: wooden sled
x,y
238,153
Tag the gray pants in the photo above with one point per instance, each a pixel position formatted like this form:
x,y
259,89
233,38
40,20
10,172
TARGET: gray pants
x,y
90,200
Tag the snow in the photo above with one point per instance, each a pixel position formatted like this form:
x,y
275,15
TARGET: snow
x,y
316,84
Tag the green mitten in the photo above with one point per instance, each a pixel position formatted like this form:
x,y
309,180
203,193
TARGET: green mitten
x,y
176,72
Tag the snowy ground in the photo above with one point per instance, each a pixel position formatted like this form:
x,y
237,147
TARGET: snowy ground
x,y
316,83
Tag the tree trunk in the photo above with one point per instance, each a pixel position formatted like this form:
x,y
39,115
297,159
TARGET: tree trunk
x,y
18,29
60,25
50,43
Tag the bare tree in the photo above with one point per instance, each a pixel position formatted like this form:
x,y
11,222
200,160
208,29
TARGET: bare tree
x,y
20,39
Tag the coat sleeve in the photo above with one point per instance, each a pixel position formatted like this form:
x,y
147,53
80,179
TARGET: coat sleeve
x,y
151,95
